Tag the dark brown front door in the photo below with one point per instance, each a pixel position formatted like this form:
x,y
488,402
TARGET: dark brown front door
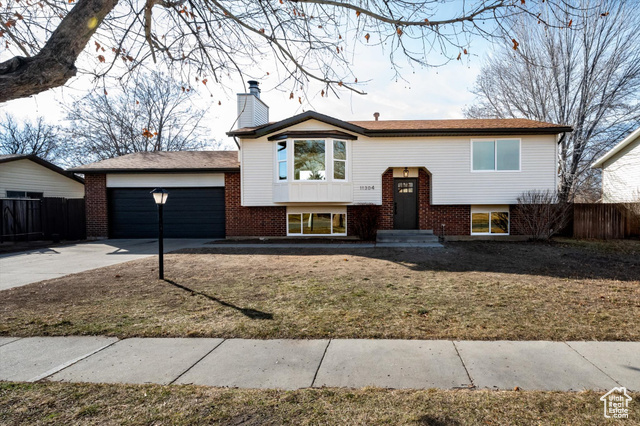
x,y
405,204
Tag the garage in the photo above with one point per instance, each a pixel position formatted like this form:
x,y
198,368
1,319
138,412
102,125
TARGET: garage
x,y
188,213
119,203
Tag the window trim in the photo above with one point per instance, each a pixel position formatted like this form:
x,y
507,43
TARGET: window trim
x,y
495,155
286,161
328,158
333,161
318,211
489,211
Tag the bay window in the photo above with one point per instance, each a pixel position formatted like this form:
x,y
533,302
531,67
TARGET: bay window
x,y
311,160
282,160
339,160
495,155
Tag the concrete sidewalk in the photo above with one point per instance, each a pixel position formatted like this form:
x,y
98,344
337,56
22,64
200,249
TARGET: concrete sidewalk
x,y
293,364
22,268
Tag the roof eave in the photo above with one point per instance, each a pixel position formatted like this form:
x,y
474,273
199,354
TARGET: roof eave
x,y
292,121
467,132
158,170
44,163
599,163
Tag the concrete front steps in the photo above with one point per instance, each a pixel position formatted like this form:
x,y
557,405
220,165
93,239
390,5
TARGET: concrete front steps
x,y
407,238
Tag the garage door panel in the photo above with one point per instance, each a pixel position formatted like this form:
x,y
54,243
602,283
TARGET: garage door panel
x,y
189,213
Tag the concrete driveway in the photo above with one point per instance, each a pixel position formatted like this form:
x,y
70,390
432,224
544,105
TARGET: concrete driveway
x,y
18,269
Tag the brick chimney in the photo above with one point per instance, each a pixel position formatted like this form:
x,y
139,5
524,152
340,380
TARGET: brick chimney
x,y
252,111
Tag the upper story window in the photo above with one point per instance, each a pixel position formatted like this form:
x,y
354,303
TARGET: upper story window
x,y
339,160
309,162
282,160
496,155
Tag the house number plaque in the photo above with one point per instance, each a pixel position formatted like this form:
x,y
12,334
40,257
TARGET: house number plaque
x,y
367,187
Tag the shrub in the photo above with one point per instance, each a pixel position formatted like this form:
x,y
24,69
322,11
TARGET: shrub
x,y
541,214
365,223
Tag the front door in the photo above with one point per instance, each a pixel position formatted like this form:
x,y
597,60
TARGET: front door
x,y
405,204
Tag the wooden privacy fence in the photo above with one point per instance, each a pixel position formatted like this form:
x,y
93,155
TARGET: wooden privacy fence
x,y
45,219
605,221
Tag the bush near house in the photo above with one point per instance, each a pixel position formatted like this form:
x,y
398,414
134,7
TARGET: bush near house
x,y
367,218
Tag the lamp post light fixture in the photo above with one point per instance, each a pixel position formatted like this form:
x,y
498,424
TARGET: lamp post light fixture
x,y
160,197
405,172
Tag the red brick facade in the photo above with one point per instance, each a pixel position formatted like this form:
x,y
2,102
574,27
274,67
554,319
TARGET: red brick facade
x,y
95,187
456,218
271,221
250,221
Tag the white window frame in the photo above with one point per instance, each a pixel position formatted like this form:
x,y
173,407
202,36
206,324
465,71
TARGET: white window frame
x,y
495,155
489,211
278,161
317,210
328,158
333,160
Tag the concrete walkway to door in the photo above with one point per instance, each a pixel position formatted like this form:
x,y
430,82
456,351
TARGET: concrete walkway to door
x,y
352,363
22,268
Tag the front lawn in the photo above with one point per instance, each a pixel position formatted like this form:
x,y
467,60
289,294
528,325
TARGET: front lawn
x,y
482,290
64,403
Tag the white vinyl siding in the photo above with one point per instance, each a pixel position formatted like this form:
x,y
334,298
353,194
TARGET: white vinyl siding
x,y
25,175
165,180
621,175
251,111
257,172
448,160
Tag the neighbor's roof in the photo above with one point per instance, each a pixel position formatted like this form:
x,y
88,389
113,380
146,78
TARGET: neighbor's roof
x,y
613,151
162,161
44,163
393,128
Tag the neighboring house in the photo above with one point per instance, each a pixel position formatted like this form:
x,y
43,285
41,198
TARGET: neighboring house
x,y
621,171
311,174
28,176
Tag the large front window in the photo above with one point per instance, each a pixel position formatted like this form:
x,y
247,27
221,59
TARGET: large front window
x,y
496,155
309,162
317,223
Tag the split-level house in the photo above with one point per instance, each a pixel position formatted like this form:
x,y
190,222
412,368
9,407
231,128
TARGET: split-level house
x,y
312,175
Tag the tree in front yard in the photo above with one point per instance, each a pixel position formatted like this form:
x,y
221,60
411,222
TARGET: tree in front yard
x,y
309,40
586,75
152,113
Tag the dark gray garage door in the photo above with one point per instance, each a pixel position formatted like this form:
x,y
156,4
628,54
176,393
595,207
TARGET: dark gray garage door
x,y
189,213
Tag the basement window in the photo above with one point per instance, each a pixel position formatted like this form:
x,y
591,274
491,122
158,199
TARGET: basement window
x,y
316,223
490,223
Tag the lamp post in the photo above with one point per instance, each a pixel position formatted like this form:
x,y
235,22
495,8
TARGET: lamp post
x,y
160,197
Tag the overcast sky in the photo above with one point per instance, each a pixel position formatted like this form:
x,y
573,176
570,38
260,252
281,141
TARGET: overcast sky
x,y
428,93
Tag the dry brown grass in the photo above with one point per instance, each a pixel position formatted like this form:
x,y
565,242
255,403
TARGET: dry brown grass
x,y
70,404
482,290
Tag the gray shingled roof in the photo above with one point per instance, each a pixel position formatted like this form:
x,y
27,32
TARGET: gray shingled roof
x,y
163,161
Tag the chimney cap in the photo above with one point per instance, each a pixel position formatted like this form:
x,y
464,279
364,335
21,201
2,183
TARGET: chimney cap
x,y
253,88
376,115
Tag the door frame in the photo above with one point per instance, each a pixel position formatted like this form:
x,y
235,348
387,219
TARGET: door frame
x,y
395,195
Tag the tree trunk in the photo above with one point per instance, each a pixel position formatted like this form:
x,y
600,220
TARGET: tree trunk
x,y
54,65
